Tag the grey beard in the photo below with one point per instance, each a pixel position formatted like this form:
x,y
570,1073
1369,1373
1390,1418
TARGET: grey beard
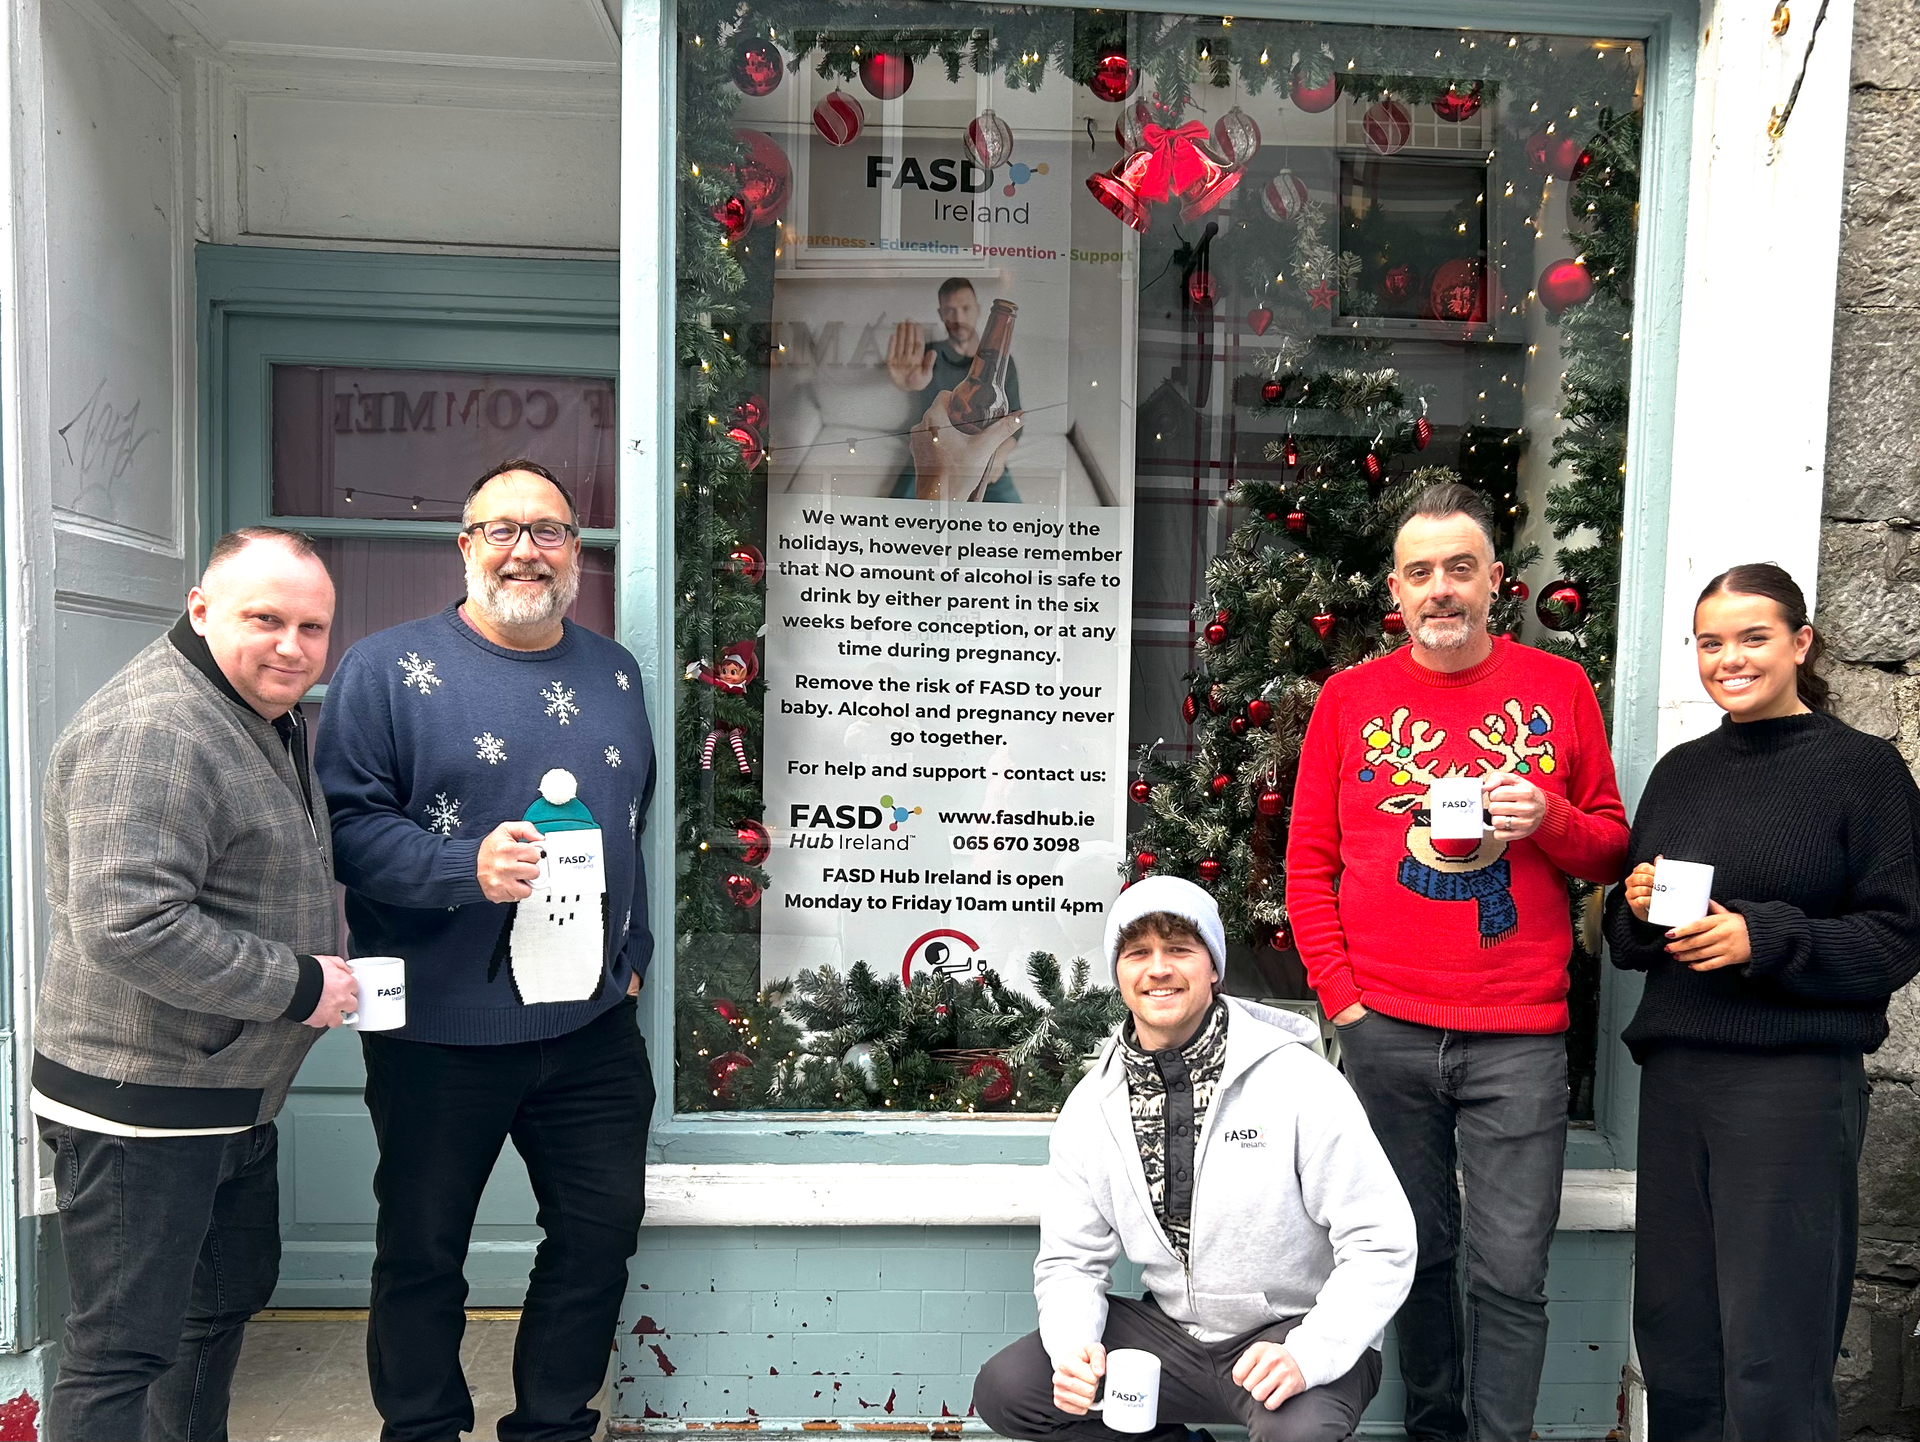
x,y
491,596
1435,640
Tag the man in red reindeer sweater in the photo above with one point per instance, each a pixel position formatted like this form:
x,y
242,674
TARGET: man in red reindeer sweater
x,y
1444,963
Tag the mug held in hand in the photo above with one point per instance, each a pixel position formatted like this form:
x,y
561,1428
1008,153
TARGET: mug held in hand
x,y
1132,1400
1681,892
1456,808
382,981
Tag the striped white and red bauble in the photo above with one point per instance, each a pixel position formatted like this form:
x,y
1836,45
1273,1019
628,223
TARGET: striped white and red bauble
x,y
839,119
1237,136
989,140
1285,196
1387,126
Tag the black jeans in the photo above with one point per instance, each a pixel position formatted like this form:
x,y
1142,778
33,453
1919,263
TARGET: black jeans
x,y
1747,1215
1496,1105
577,1108
1014,1392
172,1243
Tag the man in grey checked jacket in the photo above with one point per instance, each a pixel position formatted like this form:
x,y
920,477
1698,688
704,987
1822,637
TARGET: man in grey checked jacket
x,y
190,881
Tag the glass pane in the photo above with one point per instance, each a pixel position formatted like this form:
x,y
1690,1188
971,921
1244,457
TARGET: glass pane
x,y
384,445
380,583
1247,286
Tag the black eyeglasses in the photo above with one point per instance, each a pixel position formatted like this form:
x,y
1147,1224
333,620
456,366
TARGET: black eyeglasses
x,y
547,535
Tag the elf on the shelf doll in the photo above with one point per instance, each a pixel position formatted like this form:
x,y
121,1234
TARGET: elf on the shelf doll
x,y
738,667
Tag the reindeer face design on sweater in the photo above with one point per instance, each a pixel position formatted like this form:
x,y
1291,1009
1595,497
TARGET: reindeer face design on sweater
x,y
1399,750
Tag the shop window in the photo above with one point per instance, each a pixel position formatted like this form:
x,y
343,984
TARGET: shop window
x,y
1015,353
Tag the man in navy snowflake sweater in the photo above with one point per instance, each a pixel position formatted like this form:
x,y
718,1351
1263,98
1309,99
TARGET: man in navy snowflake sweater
x,y
487,769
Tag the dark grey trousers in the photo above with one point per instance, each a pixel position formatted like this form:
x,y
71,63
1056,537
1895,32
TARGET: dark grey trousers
x,y
1014,1392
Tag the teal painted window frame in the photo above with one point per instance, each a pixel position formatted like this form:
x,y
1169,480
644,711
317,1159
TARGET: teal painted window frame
x,y
1669,29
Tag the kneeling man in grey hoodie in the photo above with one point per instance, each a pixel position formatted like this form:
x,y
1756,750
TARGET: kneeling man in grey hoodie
x,y
1237,1168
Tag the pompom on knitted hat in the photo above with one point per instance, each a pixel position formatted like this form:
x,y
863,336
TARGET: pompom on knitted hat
x,y
1179,898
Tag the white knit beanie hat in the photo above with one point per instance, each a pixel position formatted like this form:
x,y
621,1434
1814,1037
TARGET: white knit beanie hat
x,y
1179,898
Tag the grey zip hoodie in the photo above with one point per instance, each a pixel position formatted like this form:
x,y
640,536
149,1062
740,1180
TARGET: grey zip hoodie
x,y
1296,1211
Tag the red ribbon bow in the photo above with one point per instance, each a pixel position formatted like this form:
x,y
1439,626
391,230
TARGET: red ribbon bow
x,y
1179,160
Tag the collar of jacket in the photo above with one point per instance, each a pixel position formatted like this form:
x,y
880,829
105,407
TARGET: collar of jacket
x,y
1247,1046
193,646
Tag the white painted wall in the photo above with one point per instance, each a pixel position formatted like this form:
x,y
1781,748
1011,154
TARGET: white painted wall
x,y
1756,323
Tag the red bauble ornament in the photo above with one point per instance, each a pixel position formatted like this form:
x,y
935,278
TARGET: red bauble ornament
x,y
1114,77
1216,699
1270,802
1258,319
989,140
1259,712
757,66
734,215
1282,939
1140,791
1189,708
839,118
1310,97
1387,127
1291,452
749,564
755,842
1422,432
1284,197
728,1011
764,177
1394,624
1562,606
886,74
1144,860
998,1075
1238,726
1322,623
1237,136
752,410
1215,633
1397,284
1271,391
748,439
1564,283
742,891
1219,784
1210,870
1554,155
1371,465
721,1072
1518,590
1459,291
1457,104
1296,521
1200,288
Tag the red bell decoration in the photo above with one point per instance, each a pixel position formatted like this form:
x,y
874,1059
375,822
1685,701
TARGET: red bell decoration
x,y
764,178
1258,319
1394,624
1119,189
1457,104
1459,291
1238,726
1114,77
734,215
1371,465
1270,802
1311,97
1422,432
989,140
742,891
1218,786
1189,709
748,439
1270,392
752,411
1554,155
1284,197
1296,521
755,842
1562,606
839,118
886,74
721,1072
748,563
727,1010
997,1075
757,66
1564,283
1387,127
1216,633
1210,870
1237,136
1322,622
1259,712
1144,860
1140,791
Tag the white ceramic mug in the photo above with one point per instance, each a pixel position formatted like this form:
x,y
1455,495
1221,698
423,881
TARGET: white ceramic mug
x,y
1132,1401
1681,892
383,993
1456,808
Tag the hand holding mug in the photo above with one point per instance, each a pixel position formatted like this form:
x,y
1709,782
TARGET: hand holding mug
x,y
509,861
1268,1371
1717,939
1639,888
1076,1380
1517,805
339,994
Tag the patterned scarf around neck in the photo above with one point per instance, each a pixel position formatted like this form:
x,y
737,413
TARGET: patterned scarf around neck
x,y
1490,887
1168,1093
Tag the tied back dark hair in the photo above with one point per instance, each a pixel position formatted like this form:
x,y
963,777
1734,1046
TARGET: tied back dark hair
x,y
1763,578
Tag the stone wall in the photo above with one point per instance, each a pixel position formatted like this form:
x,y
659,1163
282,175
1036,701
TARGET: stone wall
x,y
1869,610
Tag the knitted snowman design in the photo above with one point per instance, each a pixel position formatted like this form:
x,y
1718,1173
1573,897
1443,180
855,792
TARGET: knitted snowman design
x,y
553,944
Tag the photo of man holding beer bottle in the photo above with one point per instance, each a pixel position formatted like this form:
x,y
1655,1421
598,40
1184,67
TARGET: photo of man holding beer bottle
x,y
969,389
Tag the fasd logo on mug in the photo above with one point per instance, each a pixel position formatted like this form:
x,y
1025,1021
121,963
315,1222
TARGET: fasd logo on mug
x,y
1132,1401
383,993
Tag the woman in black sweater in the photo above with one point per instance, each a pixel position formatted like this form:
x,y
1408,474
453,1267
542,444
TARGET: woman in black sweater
x,y
1750,1033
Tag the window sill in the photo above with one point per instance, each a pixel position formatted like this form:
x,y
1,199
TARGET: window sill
x,y
981,1195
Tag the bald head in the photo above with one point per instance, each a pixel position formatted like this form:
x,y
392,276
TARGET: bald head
x,y
265,606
